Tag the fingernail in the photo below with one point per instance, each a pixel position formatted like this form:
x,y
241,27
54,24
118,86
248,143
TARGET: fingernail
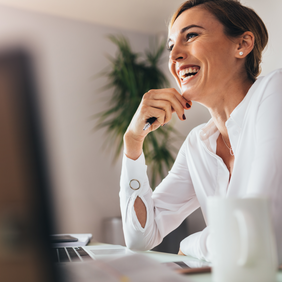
x,y
184,117
187,105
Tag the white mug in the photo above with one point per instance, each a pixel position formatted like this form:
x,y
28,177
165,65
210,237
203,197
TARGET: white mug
x,y
243,246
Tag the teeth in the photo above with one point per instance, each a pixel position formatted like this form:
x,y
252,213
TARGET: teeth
x,y
183,72
186,77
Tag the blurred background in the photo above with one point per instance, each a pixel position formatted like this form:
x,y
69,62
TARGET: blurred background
x,y
70,43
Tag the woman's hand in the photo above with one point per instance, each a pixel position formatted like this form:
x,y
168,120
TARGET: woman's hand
x,y
160,103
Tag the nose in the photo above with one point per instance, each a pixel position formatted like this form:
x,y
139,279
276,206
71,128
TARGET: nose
x,y
177,54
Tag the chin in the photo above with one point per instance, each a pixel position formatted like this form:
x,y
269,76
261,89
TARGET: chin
x,y
187,94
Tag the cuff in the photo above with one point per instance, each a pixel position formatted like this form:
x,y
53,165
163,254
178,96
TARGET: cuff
x,y
133,176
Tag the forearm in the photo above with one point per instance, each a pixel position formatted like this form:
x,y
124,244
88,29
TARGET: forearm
x,y
137,206
159,212
133,150
138,236
132,146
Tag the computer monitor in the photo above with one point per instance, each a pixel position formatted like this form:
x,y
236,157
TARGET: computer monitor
x,y
25,219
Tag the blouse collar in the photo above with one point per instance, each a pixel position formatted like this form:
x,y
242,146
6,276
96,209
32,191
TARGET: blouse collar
x,y
209,133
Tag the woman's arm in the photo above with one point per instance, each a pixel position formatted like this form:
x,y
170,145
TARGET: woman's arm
x,y
159,103
172,201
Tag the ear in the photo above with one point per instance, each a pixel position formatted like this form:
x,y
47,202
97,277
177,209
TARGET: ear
x,y
245,44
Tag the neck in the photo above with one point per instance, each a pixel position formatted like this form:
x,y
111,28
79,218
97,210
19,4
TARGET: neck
x,y
221,108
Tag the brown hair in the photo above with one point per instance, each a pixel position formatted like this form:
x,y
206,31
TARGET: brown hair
x,y
236,20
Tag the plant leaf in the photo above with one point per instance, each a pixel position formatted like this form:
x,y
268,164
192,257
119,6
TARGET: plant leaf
x,y
130,75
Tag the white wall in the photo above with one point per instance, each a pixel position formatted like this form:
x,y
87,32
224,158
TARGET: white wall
x,y
270,13
86,183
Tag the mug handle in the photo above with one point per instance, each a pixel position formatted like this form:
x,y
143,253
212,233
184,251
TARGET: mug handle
x,y
247,241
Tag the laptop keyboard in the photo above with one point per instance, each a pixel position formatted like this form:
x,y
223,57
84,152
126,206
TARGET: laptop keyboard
x,y
70,254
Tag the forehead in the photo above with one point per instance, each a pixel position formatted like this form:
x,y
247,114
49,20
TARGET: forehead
x,y
194,16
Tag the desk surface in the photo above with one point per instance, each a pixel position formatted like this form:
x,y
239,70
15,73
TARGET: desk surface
x,y
205,277
166,257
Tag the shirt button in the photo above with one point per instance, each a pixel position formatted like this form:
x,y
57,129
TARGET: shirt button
x,y
134,184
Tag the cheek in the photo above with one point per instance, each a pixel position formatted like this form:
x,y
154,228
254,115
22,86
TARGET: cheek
x,y
170,67
172,70
219,55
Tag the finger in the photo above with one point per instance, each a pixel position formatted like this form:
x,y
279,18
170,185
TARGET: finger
x,y
170,95
149,112
185,103
159,114
161,105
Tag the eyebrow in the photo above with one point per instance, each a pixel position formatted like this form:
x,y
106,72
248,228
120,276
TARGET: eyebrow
x,y
186,28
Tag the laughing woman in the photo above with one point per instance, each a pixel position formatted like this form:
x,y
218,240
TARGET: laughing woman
x,y
215,54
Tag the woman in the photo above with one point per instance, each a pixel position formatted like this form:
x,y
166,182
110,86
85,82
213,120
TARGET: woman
x,y
215,53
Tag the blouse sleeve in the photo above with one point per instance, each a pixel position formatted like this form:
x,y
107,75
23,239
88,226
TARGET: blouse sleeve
x,y
171,202
266,174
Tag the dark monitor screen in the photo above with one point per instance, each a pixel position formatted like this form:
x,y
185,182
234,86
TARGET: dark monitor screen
x,y
25,221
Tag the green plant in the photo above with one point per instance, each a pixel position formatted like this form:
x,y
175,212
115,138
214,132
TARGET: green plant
x,y
130,75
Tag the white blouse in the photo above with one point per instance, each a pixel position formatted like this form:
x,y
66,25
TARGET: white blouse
x,y
255,134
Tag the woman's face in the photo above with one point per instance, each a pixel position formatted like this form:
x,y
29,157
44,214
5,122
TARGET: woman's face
x,y
202,58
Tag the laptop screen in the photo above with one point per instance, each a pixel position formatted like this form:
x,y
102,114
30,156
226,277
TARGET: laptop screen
x,y
25,222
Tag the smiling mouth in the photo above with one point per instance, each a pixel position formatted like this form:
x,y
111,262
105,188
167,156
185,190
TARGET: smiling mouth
x,y
187,73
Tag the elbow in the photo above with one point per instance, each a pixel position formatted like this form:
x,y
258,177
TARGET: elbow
x,y
141,242
135,245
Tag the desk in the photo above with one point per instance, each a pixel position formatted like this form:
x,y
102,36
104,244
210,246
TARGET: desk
x,y
166,257
205,277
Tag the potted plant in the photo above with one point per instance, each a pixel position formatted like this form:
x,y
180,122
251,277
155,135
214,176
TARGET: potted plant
x,y
130,75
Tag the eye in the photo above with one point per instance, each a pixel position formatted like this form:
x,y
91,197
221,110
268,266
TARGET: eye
x,y
191,35
169,47
188,37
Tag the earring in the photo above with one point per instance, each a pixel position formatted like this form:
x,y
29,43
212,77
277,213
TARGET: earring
x,y
241,53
